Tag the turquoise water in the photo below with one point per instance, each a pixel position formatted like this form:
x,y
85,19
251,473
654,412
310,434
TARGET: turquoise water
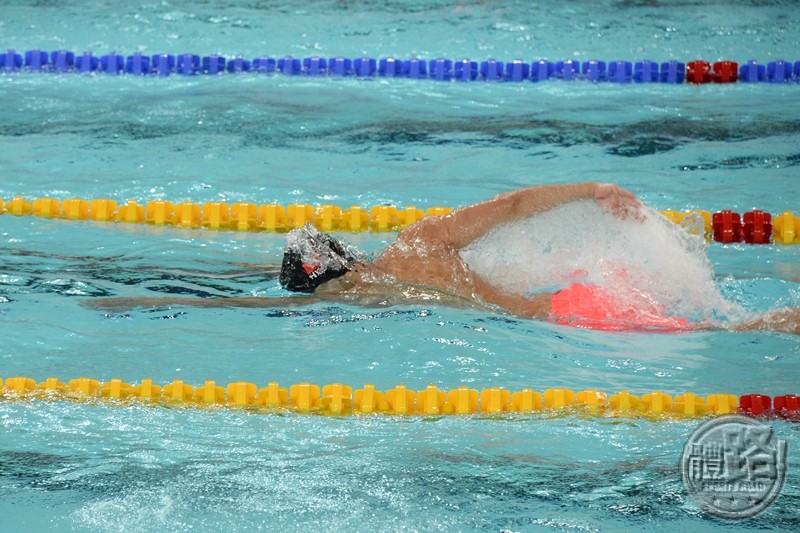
x,y
350,141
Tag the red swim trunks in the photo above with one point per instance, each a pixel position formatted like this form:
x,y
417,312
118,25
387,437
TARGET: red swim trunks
x,y
589,306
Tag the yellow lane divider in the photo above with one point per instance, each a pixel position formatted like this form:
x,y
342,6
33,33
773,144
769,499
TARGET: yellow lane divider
x,y
240,216
754,227
340,400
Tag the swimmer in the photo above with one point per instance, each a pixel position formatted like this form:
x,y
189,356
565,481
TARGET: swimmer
x,y
424,265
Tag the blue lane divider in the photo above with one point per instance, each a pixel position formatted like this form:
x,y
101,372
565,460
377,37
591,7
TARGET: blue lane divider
x,y
441,69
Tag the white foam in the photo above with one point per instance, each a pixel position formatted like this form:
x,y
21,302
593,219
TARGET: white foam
x,y
581,241
313,249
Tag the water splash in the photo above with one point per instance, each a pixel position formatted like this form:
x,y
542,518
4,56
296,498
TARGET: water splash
x,y
650,259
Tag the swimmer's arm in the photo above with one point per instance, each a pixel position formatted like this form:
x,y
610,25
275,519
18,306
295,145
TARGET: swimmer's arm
x,y
470,223
126,304
121,304
536,306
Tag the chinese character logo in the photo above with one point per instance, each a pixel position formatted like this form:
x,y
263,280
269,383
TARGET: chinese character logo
x,y
733,466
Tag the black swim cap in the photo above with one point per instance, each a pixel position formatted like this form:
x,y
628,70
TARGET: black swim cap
x,y
311,258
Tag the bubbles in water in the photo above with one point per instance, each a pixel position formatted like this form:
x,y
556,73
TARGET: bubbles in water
x,y
650,259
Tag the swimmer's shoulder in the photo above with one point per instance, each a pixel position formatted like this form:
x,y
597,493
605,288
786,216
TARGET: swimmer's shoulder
x,y
425,240
429,230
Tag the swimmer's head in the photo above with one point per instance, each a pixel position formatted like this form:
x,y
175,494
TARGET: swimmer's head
x,y
311,258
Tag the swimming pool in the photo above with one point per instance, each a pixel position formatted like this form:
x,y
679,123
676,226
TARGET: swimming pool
x,y
269,138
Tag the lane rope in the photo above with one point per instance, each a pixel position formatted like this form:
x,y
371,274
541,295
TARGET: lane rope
x,y
726,226
697,71
341,400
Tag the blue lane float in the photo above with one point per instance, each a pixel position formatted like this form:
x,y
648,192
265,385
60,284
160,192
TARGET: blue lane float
x,y
439,69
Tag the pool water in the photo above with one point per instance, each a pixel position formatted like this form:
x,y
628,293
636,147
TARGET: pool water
x,y
260,138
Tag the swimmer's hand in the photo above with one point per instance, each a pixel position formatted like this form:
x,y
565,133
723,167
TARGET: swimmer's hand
x,y
620,202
